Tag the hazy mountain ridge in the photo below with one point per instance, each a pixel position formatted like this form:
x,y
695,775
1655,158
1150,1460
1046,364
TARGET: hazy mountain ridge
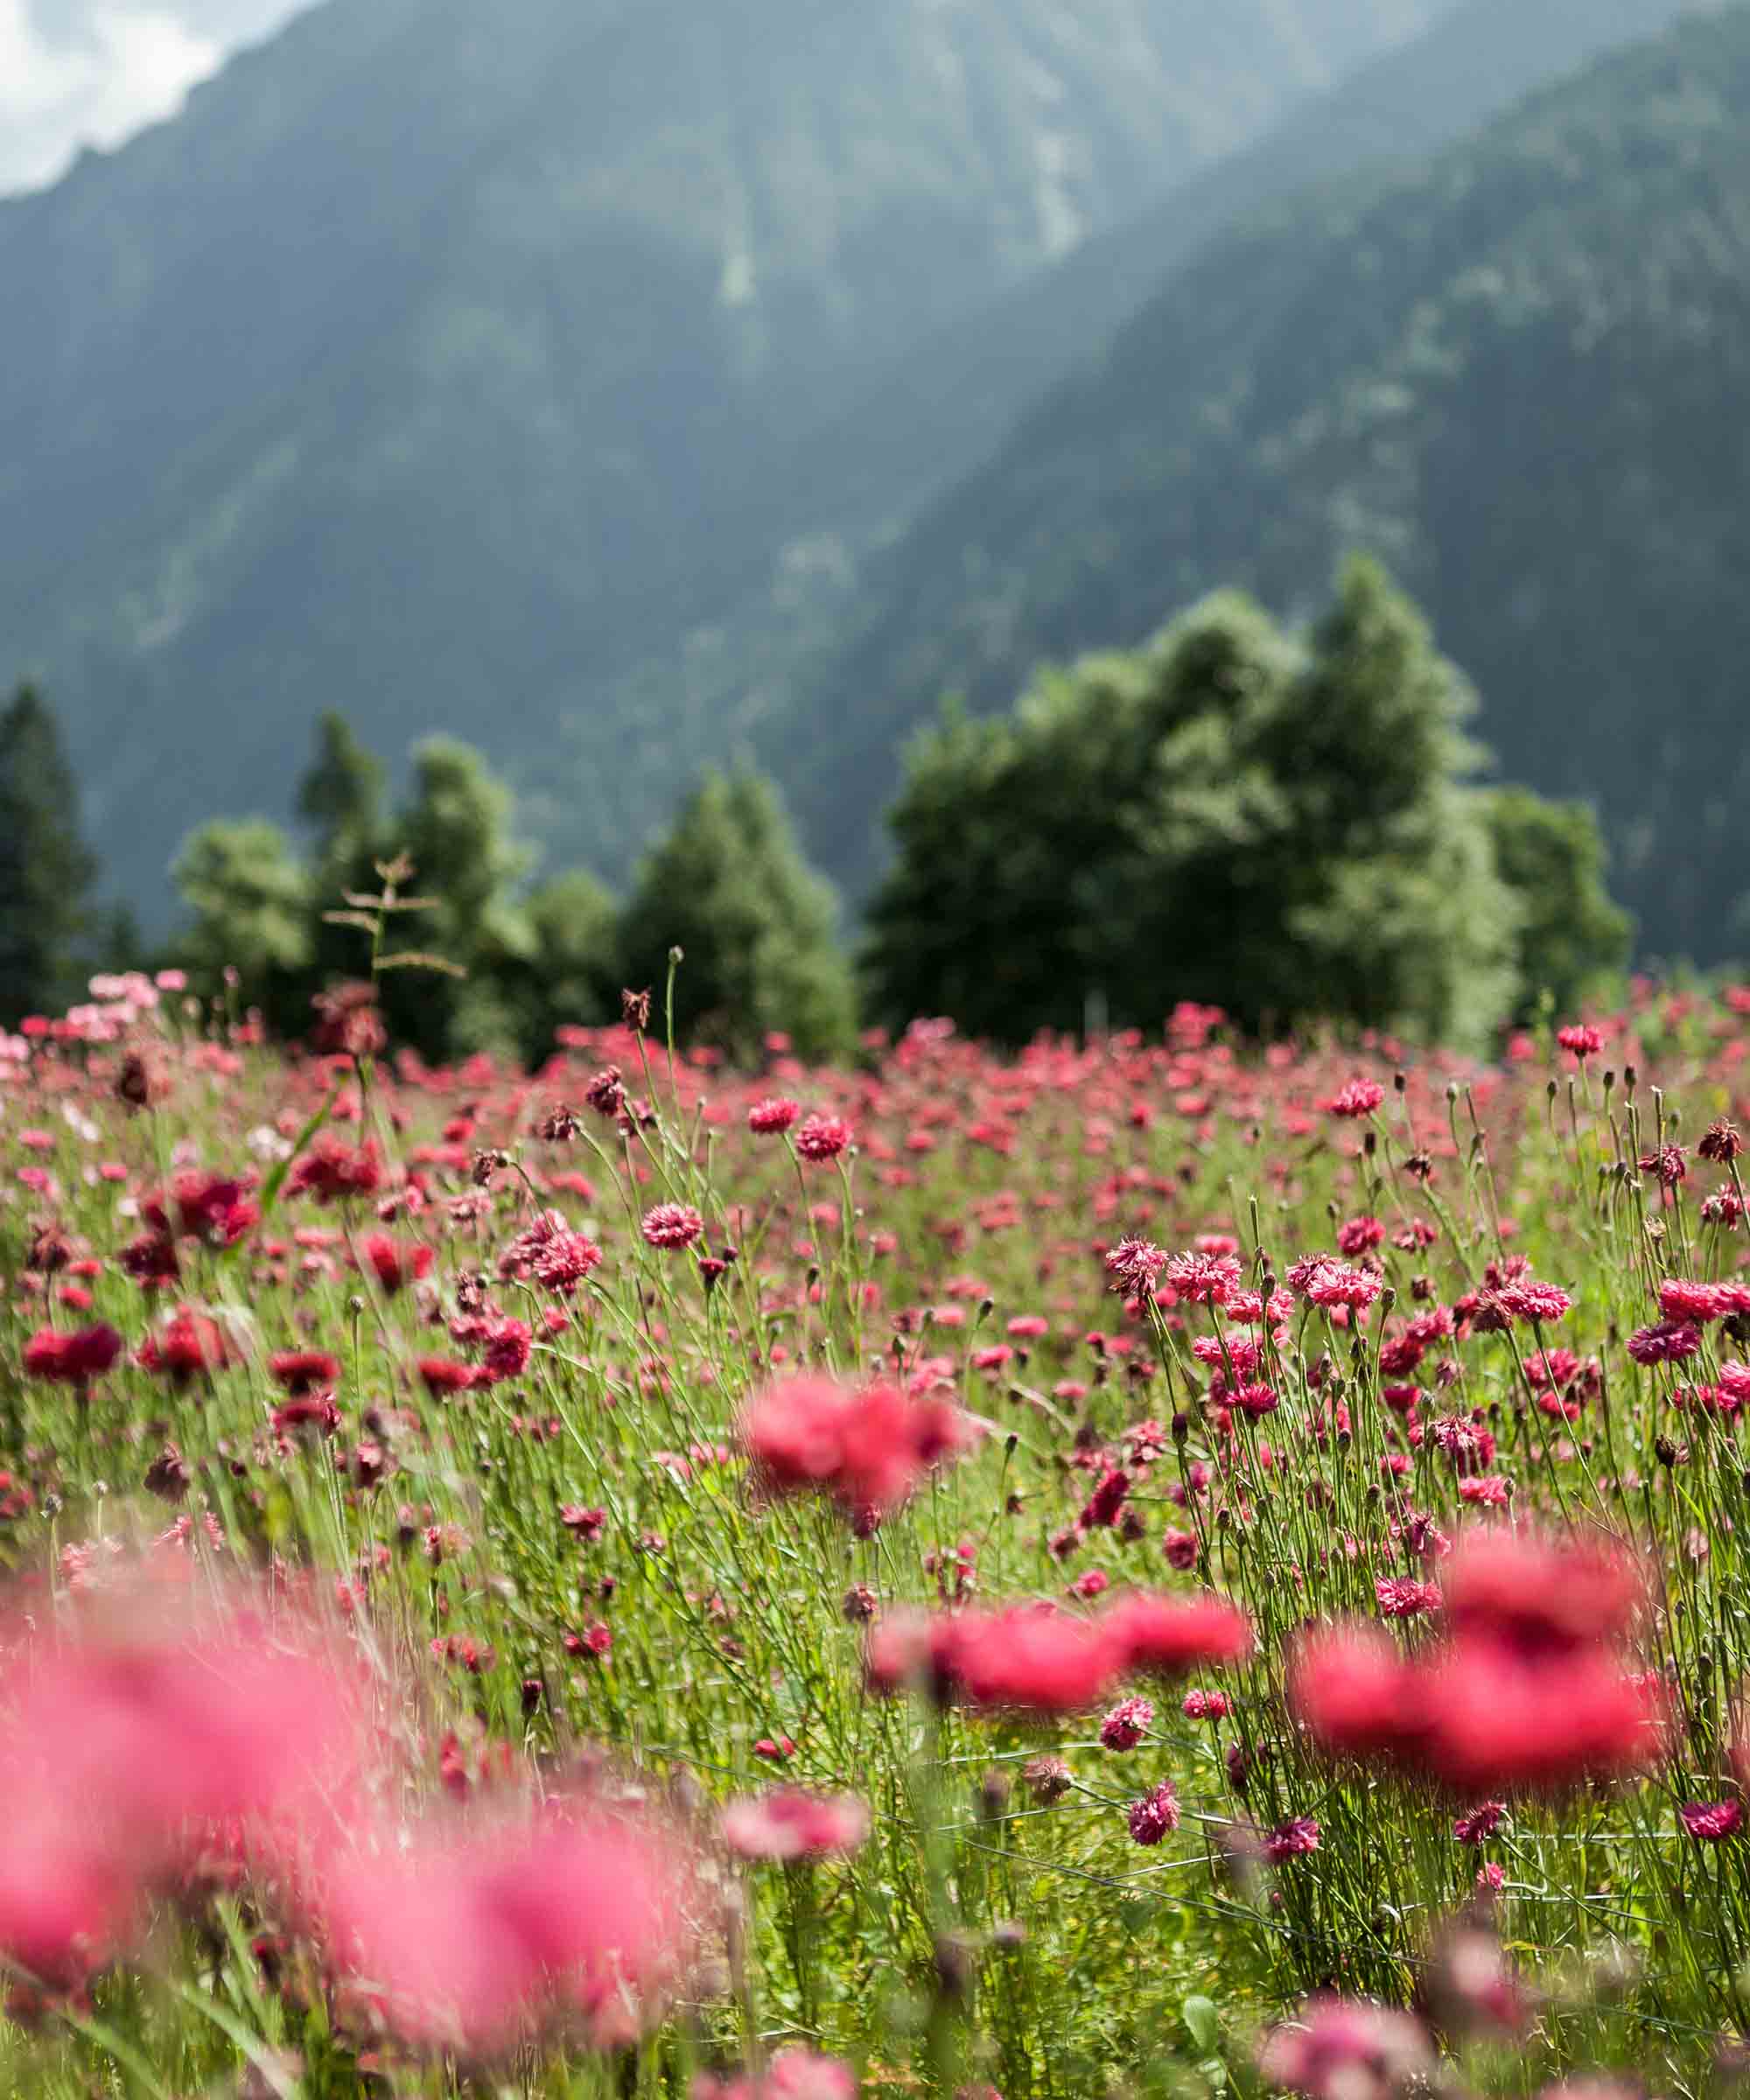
x,y
417,367
1516,372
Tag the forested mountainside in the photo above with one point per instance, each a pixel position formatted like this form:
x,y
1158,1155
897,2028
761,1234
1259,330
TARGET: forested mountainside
x,y
1517,371
423,364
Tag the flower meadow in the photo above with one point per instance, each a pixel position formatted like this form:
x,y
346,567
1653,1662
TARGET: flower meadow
x,y
1145,1567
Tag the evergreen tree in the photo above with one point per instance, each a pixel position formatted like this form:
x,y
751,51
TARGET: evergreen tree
x,y
757,925
1274,825
46,871
456,828
340,799
253,911
1573,939
571,973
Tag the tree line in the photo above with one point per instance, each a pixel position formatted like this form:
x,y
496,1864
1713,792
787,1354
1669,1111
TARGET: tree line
x,y
1285,825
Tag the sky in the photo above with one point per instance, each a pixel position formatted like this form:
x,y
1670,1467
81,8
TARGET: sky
x,y
75,73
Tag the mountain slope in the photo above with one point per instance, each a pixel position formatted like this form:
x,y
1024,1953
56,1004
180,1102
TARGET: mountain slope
x,y
421,365
805,530
1518,372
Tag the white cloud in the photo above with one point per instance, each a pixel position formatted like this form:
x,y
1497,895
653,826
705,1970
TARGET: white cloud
x,y
121,66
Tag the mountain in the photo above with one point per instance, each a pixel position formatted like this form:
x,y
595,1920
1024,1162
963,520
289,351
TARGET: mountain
x,y
806,531
423,365
1517,370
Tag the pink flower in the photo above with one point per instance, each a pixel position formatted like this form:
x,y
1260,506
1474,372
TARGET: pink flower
x,y
471,1938
773,1115
1711,1821
1127,1724
1581,1038
788,1824
1154,1815
1357,1098
670,1225
1166,1636
1291,1840
867,1446
1345,2048
824,1138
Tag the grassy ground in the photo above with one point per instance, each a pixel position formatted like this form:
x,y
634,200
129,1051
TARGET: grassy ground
x,y
571,1564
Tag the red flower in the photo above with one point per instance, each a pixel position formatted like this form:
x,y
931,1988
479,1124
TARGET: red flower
x,y
773,1115
332,1168
1127,1724
509,1345
866,1446
395,1264
824,1138
74,1359
1581,1038
1291,1840
1356,1694
1359,1098
441,1376
1166,1636
566,1260
302,1371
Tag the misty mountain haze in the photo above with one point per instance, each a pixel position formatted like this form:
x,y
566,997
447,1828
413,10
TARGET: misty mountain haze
x,y
595,379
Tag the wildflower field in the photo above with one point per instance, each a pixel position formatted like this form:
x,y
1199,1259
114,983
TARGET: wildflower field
x,y
1156,1567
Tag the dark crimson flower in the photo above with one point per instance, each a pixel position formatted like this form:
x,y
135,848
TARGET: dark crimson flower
x,y
824,1138
1533,1301
1479,1825
1291,1840
441,1376
302,1371
71,1358
867,1446
1711,1821
1402,1597
1028,1659
217,1208
1669,1341
564,1261
1127,1724
508,1345
1669,1163
1203,1279
1048,1779
1721,1142
185,1347
394,1263
605,1093
1154,1815
1356,1694
332,1168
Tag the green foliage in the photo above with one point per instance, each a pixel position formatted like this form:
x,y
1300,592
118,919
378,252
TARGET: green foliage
x,y
758,928
1573,941
1229,815
569,976
47,872
1514,371
252,910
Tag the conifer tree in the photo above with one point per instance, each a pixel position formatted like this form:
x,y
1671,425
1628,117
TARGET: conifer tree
x,y
729,887
46,871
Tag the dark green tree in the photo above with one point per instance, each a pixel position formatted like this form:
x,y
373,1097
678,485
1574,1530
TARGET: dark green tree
x,y
1277,825
1572,938
456,827
570,973
46,871
340,799
757,925
252,909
